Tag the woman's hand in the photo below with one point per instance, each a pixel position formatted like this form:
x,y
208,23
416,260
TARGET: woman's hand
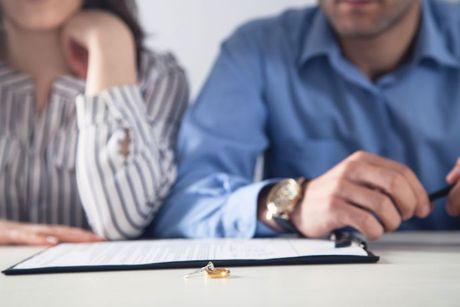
x,y
453,203
12,233
100,47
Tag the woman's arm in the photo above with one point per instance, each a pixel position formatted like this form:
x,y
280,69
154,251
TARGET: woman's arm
x,y
100,47
125,160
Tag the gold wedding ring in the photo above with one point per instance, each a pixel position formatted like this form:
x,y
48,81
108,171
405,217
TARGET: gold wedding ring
x,y
211,272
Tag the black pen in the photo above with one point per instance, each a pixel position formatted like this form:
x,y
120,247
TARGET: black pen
x,y
440,194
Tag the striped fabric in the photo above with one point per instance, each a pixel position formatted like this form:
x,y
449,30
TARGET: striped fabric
x,y
65,165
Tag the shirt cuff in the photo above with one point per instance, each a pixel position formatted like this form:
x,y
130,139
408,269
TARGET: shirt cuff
x,y
244,202
122,103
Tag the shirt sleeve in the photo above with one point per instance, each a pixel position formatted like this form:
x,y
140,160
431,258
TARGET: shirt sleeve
x,y
222,137
125,156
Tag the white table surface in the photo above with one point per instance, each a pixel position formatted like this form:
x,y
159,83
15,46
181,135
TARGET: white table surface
x,y
416,269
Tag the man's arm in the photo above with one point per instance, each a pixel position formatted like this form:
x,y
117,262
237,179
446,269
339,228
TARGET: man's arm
x,y
367,192
222,136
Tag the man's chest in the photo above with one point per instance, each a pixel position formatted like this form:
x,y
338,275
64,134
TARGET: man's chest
x,y
320,118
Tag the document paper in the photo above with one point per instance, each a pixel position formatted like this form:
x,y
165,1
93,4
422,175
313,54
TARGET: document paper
x,y
179,250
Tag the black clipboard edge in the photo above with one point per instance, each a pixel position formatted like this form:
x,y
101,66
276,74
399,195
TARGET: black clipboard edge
x,y
307,260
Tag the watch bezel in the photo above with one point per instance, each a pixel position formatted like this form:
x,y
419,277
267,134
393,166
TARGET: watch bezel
x,y
284,197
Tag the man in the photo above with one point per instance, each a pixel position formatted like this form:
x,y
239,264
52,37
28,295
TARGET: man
x,y
359,97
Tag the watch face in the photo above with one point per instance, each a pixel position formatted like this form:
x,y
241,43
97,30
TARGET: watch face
x,y
283,197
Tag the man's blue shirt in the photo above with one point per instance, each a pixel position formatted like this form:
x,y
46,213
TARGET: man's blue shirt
x,y
282,89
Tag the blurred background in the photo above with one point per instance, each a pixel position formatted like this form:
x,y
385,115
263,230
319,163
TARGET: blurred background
x,y
194,29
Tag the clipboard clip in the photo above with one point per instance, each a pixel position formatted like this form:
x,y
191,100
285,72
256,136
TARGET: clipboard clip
x,y
345,238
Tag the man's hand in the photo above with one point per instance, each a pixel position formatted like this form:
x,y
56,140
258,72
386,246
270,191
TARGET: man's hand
x,y
12,233
367,192
453,202
100,47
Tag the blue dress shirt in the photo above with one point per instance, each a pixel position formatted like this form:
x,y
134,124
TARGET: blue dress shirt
x,y
282,89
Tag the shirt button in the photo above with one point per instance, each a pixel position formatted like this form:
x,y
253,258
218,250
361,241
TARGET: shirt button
x,y
241,226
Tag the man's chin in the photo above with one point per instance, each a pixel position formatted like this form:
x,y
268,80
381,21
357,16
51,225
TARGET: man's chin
x,y
358,31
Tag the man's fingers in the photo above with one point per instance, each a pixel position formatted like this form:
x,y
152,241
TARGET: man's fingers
x,y
423,207
453,202
372,200
454,175
392,183
359,219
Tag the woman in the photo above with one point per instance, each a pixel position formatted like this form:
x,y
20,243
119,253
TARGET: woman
x,y
88,120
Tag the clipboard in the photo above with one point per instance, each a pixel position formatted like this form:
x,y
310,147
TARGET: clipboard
x,y
180,254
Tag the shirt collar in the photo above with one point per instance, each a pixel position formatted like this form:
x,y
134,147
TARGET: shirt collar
x,y
431,43
320,40
19,82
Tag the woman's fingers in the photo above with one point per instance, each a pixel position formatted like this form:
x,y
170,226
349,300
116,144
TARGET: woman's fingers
x,y
22,236
67,234
44,235
13,233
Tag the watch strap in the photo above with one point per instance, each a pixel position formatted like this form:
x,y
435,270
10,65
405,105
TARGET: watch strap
x,y
286,225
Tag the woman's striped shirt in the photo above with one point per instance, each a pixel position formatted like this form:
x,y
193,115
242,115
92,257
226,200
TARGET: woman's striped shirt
x,y
66,165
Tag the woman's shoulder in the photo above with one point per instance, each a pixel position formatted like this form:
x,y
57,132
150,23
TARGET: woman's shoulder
x,y
158,64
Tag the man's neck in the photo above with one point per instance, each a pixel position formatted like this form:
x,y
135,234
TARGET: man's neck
x,y
385,52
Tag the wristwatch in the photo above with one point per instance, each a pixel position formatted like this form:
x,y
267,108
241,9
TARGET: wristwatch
x,y
282,200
